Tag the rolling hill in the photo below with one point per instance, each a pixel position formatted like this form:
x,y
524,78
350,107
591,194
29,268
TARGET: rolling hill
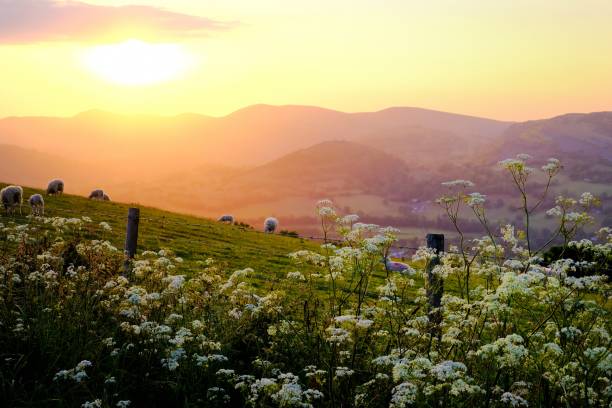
x,y
192,238
250,136
278,160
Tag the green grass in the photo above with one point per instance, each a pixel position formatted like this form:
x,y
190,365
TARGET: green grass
x,y
192,238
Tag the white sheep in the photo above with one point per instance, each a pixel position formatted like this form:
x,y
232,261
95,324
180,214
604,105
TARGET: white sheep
x,y
393,266
226,218
96,195
55,186
37,203
12,197
270,225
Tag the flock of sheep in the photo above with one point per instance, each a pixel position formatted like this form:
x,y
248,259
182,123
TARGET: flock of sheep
x,y
12,197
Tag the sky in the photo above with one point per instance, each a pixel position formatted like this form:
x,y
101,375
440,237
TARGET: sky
x,y
508,60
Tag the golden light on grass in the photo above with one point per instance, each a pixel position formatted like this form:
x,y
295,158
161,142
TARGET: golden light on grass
x,y
135,62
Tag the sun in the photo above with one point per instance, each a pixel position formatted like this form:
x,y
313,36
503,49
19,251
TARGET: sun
x,y
136,62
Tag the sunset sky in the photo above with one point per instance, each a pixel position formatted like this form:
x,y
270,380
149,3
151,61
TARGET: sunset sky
x,y
511,60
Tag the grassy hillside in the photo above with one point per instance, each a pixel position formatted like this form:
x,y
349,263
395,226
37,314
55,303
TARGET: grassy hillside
x,y
192,238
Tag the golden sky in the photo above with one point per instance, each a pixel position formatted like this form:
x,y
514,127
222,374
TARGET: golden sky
x,y
511,60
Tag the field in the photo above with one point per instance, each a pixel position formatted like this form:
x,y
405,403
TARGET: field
x,y
308,326
192,238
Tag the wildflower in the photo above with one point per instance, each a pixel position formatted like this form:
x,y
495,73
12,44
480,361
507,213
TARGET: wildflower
x,y
403,395
172,362
448,370
343,372
476,199
587,200
513,400
225,373
123,404
337,335
289,395
298,276
552,167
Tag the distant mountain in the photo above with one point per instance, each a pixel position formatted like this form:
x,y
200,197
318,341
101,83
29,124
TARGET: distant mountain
x,y
571,135
250,136
582,141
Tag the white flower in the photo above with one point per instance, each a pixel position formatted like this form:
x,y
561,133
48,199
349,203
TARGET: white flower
x,y
556,211
587,199
513,400
552,167
298,276
343,372
174,282
476,199
123,404
403,395
337,335
290,395
448,370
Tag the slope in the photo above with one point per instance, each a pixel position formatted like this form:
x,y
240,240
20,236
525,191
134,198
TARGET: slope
x,y
194,239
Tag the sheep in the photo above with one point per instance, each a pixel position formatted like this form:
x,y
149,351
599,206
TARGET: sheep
x,y
393,266
12,197
55,186
226,218
105,197
270,225
96,195
37,203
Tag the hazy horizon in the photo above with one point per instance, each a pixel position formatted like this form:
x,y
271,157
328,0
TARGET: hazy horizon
x,y
222,115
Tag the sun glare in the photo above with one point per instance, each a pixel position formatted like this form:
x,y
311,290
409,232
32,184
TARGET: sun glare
x,y
135,62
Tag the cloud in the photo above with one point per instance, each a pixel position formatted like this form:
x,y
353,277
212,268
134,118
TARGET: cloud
x,y
31,21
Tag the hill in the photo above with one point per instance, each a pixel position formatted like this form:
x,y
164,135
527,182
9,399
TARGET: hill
x,y
250,136
582,141
192,238
354,175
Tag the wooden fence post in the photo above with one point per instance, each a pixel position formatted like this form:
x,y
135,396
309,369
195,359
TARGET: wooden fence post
x,y
131,237
435,285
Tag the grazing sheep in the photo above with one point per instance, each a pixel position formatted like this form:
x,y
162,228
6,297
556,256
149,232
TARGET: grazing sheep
x,y
394,266
55,186
270,225
97,195
105,197
226,218
12,197
37,203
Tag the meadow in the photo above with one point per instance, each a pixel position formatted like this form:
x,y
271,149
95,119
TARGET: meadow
x,y
216,315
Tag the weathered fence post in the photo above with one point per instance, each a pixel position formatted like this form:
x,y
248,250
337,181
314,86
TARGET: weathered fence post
x,y
131,237
435,284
